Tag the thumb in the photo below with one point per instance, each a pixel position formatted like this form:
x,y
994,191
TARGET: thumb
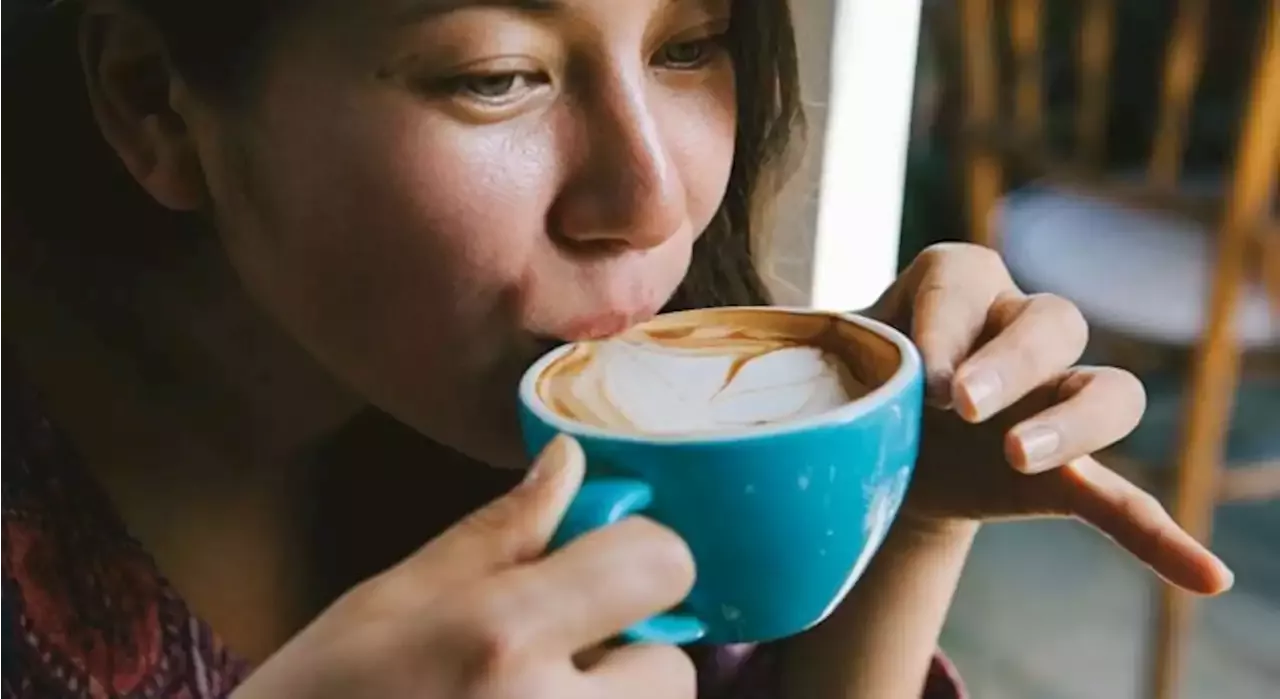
x,y
513,529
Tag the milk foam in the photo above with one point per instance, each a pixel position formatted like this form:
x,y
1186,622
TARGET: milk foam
x,y
710,379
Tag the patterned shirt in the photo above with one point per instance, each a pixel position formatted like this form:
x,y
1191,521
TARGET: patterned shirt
x,y
88,616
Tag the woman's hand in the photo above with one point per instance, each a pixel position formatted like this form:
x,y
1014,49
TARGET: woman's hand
x,y
480,613
1016,419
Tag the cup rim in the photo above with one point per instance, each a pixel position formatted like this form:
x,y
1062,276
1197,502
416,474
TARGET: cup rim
x,y
909,367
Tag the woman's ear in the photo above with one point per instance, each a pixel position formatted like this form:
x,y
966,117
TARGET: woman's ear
x,y
132,88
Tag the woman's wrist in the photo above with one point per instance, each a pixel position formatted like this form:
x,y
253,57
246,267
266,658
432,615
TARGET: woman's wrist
x,y
910,528
881,639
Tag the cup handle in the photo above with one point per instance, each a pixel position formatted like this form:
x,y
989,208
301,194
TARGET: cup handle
x,y
605,501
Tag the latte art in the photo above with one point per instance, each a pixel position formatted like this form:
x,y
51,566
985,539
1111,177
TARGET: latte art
x,y
696,379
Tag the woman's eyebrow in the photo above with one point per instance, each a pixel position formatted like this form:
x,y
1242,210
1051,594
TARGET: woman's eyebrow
x,y
412,11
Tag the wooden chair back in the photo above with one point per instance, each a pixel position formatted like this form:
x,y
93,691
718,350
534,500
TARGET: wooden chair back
x,y
1005,133
1005,113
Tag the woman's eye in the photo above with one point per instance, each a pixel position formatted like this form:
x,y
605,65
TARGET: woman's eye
x,y
688,54
495,88
491,85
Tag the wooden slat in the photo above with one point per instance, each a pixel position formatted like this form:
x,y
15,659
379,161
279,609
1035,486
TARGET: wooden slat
x,y
1245,483
984,175
978,45
1183,62
1217,362
1269,263
1026,22
1028,159
1096,43
1261,482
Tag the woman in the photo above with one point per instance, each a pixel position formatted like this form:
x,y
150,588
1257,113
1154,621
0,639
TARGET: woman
x,y
400,203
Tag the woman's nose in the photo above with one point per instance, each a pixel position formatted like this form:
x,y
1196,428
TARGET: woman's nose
x,y
623,190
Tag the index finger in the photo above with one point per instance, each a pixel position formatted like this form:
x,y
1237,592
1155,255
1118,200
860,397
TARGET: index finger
x,y
590,590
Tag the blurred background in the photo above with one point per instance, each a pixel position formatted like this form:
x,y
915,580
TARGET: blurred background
x,y
1124,154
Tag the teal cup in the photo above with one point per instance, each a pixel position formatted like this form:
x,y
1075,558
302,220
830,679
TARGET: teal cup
x,y
781,518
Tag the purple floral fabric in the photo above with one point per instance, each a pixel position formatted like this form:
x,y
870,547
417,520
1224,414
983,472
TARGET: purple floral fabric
x,y
749,672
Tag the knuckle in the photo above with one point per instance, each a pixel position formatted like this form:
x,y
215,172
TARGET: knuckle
x,y
1147,509
1131,385
676,665
662,554
1139,505
1006,306
492,638
936,253
985,256
980,258
498,516
501,526
1119,388
1126,385
958,250
1070,322
663,670
1158,541
1076,381
1034,359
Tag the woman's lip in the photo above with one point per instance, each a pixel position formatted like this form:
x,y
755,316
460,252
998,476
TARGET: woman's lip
x,y
596,328
602,326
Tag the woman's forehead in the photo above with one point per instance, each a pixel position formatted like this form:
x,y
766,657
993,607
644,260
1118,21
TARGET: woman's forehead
x,y
377,26
429,7
412,11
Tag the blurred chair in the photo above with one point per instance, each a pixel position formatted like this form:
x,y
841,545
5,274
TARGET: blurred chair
x,y
1160,257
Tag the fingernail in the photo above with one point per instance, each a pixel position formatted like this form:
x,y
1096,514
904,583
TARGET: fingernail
x,y
1038,444
1228,575
981,390
548,462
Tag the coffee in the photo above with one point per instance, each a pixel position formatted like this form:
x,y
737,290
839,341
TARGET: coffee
x,y
718,370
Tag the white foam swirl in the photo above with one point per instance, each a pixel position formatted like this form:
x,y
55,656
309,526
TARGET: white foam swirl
x,y
646,386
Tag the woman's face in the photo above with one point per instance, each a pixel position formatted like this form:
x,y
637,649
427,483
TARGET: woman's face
x,y
425,193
